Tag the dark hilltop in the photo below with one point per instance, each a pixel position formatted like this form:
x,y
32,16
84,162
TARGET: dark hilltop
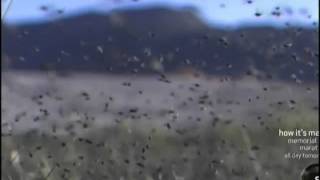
x,y
153,40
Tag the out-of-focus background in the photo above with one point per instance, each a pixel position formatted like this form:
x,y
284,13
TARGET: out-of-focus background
x,y
156,90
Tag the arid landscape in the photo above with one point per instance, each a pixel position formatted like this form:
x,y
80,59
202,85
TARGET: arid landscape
x,y
155,94
89,126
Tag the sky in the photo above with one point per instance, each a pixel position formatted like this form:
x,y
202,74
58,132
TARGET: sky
x,y
224,13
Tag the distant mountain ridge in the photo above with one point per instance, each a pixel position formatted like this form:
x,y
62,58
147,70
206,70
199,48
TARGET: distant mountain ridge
x,y
153,40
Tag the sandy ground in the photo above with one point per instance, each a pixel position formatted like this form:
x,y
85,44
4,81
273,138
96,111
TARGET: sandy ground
x,y
35,100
